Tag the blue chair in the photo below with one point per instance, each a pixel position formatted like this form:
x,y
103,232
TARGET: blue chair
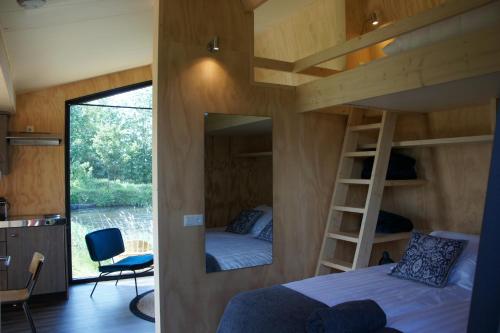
x,y
106,244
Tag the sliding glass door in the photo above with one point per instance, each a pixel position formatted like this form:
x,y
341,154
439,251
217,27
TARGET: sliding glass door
x,y
109,151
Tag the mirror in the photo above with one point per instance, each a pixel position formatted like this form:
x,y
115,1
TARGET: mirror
x,y
238,191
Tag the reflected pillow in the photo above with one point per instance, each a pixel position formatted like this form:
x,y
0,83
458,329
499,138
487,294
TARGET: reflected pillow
x,y
245,220
263,220
462,273
428,259
267,233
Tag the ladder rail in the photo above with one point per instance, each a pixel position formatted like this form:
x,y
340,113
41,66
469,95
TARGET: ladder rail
x,y
375,192
339,194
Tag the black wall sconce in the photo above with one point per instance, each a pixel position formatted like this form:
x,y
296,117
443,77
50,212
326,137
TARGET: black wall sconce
x,y
213,45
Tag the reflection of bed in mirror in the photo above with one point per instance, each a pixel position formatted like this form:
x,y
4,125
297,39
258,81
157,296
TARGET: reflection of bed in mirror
x,y
238,191
233,251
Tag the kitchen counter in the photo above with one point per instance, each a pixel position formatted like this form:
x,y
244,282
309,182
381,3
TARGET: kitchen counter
x,y
32,221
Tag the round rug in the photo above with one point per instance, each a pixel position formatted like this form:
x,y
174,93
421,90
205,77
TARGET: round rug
x,y
143,306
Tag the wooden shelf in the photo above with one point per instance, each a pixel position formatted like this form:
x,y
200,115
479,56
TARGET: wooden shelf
x,y
388,183
257,154
436,142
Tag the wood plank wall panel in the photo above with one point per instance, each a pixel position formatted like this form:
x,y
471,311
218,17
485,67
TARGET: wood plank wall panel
x,y
234,183
315,27
35,184
306,148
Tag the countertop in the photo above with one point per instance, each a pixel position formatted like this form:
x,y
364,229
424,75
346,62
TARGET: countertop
x,y
32,221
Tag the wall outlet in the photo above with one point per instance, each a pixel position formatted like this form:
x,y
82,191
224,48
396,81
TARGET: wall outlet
x,y
193,220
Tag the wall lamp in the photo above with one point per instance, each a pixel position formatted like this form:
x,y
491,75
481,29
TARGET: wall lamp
x,y
213,45
374,19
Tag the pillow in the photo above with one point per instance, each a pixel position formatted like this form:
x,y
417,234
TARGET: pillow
x,y
267,232
245,220
462,273
263,220
428,259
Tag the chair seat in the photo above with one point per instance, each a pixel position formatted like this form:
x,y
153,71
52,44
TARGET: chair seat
x,y
14,296
131,263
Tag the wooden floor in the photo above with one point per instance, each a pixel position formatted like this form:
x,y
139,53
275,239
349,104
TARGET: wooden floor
x,y
107,311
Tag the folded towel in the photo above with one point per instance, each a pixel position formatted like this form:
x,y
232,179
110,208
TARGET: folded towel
x,y
364,316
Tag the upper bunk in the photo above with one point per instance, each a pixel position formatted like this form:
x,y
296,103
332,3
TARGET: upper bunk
x,y
445,57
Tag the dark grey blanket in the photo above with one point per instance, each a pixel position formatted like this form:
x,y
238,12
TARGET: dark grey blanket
x,y
276,309
212,265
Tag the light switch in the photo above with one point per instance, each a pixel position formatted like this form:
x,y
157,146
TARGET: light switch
x,y
193,220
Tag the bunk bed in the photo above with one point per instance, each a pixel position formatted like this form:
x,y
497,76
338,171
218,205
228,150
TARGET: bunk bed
x,y
460,68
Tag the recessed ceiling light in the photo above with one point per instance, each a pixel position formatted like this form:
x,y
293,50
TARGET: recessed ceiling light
x,y
31,4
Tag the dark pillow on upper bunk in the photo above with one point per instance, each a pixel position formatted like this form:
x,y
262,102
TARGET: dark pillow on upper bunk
x,y
428,259
393,223
400,167
267,233
245,220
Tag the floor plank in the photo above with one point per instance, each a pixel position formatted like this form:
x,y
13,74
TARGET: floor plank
x,y
107,312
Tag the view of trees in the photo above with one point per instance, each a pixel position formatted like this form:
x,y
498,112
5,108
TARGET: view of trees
x,y
111,150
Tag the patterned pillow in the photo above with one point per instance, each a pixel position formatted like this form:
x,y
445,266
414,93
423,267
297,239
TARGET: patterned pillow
x,y
267,233
428,259
245,220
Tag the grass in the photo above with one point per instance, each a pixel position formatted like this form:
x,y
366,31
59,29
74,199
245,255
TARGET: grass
x,y
134,223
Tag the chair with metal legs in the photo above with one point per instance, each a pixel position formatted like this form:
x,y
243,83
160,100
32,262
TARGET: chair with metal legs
x,y
22,296
108,243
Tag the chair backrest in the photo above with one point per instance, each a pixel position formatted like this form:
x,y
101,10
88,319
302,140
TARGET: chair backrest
x,y
104,244
35,268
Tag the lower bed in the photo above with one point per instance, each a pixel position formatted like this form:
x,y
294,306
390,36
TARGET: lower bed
x,y
410,307
233,251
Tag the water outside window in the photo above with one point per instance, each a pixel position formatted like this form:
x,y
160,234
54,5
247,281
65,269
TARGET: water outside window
x,y
111,173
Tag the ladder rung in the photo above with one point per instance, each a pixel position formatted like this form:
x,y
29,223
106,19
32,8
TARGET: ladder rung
x,y
354,181
367,127
344,236
349,209
360,153
390,183
337,264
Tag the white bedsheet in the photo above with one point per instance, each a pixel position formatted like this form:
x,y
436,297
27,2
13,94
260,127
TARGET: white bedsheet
x,y
409,306
234,251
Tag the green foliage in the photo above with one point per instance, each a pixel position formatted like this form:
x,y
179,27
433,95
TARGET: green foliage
x,y
111,151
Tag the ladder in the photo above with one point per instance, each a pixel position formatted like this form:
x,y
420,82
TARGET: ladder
x,y
334,233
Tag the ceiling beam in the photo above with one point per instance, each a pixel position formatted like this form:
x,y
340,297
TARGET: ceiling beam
x,y
251,5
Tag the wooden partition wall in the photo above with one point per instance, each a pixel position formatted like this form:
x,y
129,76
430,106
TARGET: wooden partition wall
x,y
191,81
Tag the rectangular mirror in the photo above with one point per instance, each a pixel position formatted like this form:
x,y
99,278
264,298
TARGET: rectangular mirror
x,y
238,191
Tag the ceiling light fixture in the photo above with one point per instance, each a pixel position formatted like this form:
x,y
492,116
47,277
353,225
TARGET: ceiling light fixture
x,y
31,4
213,45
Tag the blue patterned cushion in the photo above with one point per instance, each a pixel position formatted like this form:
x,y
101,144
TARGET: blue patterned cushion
x,y
267,233
245,220
428,259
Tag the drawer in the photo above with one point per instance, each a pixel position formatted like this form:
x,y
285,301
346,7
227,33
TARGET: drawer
x,y
3,235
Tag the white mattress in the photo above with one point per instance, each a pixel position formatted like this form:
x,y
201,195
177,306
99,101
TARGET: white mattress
x,y
234,251
409,306
480,18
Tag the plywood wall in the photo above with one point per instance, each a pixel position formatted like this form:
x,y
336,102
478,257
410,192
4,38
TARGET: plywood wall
x,y
315,27
453,198
233,182
306,147
35,184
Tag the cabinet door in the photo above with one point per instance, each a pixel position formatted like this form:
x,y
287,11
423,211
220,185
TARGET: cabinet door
x,y
3,270
49,241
